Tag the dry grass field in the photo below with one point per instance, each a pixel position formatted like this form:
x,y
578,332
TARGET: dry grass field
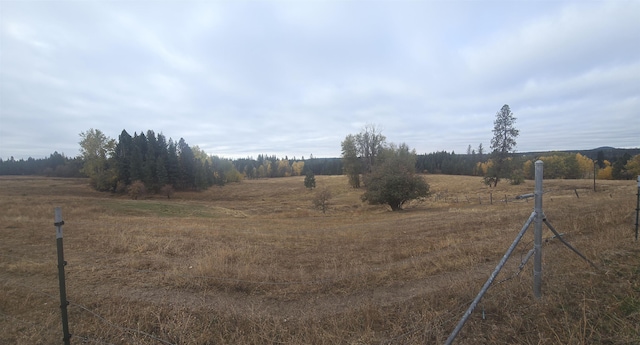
x,y
254,263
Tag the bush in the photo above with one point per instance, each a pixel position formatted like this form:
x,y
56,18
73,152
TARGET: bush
x,y
310,180
517,177
321,200
137,189
393,180
167,190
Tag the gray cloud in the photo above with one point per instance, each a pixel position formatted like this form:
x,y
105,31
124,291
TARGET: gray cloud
x,y
243,78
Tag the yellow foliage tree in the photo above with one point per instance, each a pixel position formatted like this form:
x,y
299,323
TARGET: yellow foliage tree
x,y
633,166
483,167
297,168
606,173
284,169
528,170
586,165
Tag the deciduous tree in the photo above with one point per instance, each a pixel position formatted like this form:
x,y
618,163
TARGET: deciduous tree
x,y
96,149
350,160
370,142
393,180
321,199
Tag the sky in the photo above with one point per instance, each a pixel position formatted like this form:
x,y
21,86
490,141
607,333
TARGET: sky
x,y
294,78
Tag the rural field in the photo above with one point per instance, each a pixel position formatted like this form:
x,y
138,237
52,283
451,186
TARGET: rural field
x,y
255,263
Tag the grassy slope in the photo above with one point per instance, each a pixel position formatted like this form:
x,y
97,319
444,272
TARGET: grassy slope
x,y
253,263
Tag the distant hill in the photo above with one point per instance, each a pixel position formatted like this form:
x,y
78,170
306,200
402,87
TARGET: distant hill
x,y
609,152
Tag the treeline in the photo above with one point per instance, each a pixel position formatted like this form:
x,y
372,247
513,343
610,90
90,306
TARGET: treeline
x,y
557,165
153,160
157,162
265,166
56,165
450,163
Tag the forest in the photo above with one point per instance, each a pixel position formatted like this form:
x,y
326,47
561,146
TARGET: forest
x,y
113,165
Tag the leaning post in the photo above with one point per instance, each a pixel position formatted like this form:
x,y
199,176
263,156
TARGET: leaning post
x,y
61,263
537,235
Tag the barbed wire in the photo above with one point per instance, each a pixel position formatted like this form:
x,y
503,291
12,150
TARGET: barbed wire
x,y
7,316
82,307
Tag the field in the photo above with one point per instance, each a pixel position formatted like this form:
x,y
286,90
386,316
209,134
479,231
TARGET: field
x,y
255,263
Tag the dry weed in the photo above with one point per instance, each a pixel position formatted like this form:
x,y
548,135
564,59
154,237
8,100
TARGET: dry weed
x,y
254,263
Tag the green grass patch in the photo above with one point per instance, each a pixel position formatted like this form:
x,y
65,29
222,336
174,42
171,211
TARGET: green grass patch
x,y
147,208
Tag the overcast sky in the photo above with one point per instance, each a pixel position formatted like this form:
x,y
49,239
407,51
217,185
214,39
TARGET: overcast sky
x,y
241,78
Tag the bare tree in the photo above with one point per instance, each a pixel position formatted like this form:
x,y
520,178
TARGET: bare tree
x,y
370,142
321,199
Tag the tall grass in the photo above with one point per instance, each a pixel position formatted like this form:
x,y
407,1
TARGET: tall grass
x,y
254,263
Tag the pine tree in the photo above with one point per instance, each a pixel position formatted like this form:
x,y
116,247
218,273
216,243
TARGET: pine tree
x,y
149,166
310,180
122,156
502,144
173,164
187,160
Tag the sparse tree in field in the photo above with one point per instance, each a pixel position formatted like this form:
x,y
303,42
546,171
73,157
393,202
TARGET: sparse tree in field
x,y
96,149
503,145
393,180
351,162
370,142
321,199
360,151
310,180
137,189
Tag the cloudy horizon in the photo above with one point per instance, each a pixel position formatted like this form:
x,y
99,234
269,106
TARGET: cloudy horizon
x,y
244,78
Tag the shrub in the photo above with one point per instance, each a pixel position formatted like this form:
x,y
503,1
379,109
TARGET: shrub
x,y
167,190
137,189
321,200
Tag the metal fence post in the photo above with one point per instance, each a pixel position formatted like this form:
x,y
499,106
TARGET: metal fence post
x,y
489,281
537,236
61,263
637,207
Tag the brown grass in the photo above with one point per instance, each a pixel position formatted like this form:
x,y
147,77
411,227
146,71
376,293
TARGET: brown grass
x,y
255,263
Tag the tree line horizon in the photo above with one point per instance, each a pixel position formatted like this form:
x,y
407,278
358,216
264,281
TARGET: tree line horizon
x,y
201,170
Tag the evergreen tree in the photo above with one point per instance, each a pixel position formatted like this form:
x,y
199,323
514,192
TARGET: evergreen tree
x,y
310,180
187,166
503,144
136,168
149,165
173,164
122,156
